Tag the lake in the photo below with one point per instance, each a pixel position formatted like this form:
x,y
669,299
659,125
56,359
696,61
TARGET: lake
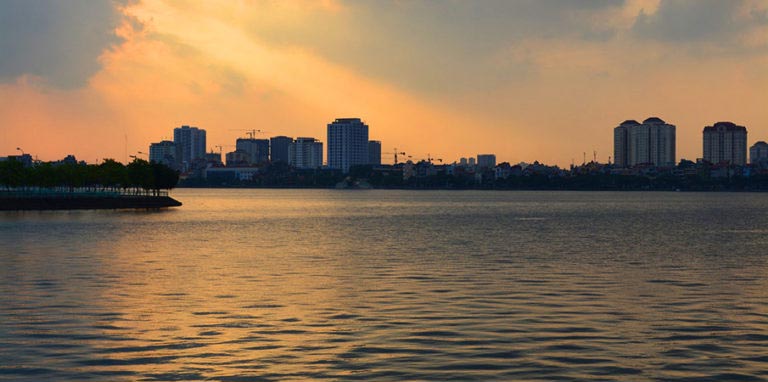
x,y
277,285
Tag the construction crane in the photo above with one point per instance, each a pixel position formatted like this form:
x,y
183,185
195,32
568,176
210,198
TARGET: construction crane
x,y
396,153
430,159
251,133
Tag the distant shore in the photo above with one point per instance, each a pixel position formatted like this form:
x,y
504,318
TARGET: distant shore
x,y
607,189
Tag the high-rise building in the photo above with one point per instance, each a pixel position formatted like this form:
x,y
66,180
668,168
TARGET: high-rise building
x,y
305,153
621,143
486,161
347,143
256,149
190,145
758,153
725,142
650,143
279,148
163,152
374,152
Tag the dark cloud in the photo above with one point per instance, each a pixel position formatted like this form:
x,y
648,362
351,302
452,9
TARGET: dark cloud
x,y
59,41
437,45
694,21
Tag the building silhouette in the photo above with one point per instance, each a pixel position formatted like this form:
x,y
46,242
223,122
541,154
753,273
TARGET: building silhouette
x,y
190,145
374,152
486,161
305,153
347,143
257,150
758,153
163,152
279,148
649,143
238,158
725,142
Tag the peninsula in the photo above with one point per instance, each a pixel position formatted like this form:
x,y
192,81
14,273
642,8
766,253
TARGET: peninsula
x,y
69,185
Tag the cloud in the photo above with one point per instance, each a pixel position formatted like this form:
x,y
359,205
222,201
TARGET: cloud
x,y
59,41
714,22
431,46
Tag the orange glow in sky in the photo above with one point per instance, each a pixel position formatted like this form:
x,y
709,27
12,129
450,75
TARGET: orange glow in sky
x,y
437,78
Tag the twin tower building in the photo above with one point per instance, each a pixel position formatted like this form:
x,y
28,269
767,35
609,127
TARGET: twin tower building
x,y
653,143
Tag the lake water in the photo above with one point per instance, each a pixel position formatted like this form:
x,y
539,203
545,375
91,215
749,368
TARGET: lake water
x,y
277,285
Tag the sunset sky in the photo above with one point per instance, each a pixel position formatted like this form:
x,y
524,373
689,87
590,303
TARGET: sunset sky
x,y
525,79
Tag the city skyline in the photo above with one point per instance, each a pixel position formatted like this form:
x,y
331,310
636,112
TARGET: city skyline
x,y
524,80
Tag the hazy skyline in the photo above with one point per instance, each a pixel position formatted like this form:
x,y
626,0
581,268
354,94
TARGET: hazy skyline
x,y
526,80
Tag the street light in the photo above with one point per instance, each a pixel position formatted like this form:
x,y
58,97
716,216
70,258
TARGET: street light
x,y
22,151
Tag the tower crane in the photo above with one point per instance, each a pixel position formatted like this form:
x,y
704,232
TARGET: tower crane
x,y
396,153
430,159
251,133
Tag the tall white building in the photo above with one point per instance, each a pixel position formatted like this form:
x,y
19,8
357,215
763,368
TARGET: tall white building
x,y
652,143
190,144
347,143
725,142
305,153
758,153
163,152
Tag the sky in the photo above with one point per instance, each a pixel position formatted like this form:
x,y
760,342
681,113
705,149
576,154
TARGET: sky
x,y
527,80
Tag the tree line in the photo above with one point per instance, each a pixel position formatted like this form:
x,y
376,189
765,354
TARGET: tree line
x,y
139,176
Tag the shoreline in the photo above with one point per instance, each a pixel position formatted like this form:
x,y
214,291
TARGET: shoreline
x,y
78,202
692,190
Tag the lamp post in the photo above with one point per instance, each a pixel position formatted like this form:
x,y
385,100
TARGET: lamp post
x,y
22,151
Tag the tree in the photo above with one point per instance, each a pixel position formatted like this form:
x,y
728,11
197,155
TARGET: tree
x,y
112,174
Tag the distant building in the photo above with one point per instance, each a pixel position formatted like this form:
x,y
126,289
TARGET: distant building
x,y
650,143
230,174
68,160
213,158
25,159
279,147
463,162
163,152
374,152
305,153
486,161
347,143
725,142
238,158
471,162
256,149
190,145
758,153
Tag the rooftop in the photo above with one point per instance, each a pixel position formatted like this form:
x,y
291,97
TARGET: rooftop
x,y
725,126
654,120
347,120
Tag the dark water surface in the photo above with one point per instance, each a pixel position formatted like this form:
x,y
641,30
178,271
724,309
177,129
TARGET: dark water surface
x,y
263,285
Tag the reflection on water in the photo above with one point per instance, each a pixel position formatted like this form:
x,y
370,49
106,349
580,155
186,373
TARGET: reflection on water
x,y
261,285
